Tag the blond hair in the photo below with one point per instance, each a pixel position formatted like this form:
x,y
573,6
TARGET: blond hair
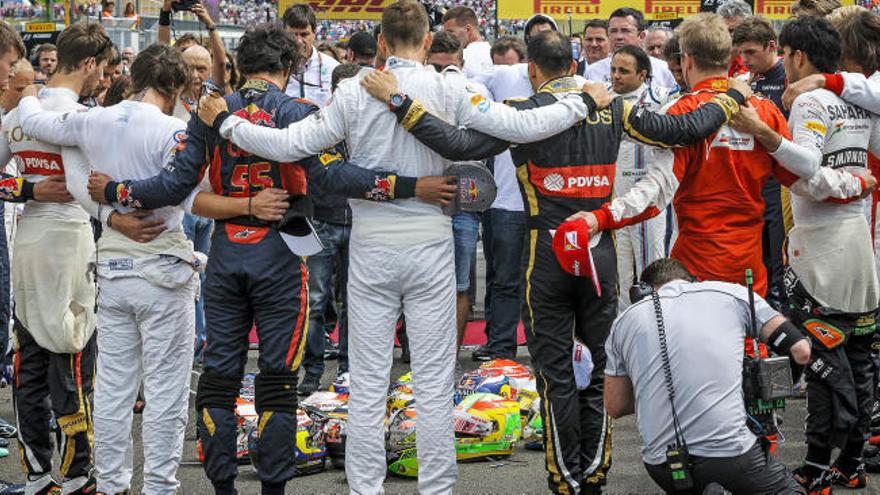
x,y
840,14
704,37
819,8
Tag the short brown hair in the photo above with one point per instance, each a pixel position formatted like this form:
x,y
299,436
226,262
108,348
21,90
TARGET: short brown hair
x,y
445,42
663,271
596,24
860,39
46,47
754,29
506,43
10,40
819,8
704,37
161,68
300,16
671,50
462,16
80,42
117,91
404,23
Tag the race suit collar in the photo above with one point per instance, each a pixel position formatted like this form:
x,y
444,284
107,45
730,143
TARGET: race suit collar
x,y
636,92
717,84
777,71
396,63
59,91
561,84
261,85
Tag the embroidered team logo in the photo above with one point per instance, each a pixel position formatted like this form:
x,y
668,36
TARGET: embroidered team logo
x,y
180,142
328,158
733,140
468,190
244,234
829,335
571,242
9,187
554,182
383,189
123,196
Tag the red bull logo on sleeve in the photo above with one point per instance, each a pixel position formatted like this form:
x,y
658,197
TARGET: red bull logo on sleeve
x,y
256,115
10,187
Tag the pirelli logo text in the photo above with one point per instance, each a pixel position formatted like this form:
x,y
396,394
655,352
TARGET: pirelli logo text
x,y
583,181
349,6
565,7
779,8
680,7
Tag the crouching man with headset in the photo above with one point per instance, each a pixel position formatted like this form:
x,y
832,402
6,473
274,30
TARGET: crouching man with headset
x,y
675,359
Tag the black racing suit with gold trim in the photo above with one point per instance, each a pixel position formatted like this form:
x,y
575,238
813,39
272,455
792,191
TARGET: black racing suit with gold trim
x,y
570,172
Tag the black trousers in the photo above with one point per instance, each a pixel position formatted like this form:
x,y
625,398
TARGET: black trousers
x,y
559,306
64,383
772,238
752,473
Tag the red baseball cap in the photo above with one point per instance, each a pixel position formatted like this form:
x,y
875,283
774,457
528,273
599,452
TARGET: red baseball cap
x,y
571,244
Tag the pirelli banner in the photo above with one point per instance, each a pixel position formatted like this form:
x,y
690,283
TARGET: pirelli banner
x,y
657,10
579,10
355,10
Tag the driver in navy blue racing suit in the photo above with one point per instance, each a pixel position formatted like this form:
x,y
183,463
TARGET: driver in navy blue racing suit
x,y
252,276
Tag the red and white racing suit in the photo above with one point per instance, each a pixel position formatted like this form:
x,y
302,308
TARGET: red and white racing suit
x,y
715,187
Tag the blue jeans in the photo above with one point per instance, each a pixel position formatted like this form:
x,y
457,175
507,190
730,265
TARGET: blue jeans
x,y
465,230
322,266
198,230
503,240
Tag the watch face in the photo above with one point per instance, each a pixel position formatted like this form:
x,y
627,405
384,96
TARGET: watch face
x,y
397,100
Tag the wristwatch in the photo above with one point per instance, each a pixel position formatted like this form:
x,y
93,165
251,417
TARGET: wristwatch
x,y
397,100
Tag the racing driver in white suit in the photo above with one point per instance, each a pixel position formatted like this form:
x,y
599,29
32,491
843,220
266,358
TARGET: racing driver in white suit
x,y
402,250
641,244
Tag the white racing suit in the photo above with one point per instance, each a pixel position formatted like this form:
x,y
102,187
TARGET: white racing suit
x,y
641,244
832,279
145,306
401,253
54,292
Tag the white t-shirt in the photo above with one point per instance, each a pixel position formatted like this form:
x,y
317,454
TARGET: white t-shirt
x,y
477,58
504,82
705,327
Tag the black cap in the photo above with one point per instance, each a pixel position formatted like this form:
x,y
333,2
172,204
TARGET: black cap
x,y
362,44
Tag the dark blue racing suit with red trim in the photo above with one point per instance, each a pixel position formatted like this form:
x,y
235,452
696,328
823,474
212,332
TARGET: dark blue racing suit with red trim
x,y
252,277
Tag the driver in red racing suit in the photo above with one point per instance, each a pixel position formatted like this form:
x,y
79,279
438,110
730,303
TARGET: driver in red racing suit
x,y
716,184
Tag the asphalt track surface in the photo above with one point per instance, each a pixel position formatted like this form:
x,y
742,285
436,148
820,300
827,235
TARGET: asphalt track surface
x,y
523,473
